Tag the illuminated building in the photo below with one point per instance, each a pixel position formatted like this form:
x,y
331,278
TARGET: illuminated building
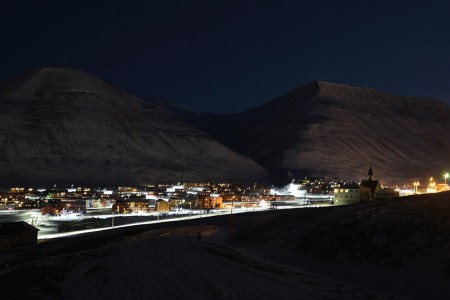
x,y
432,187
386,194
373,185
347,193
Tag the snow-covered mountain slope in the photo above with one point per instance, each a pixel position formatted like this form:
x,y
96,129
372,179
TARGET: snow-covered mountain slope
x,y
336,130
66,126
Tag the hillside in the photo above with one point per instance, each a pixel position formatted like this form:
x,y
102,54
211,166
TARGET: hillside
x,y
335,130
376,250
66,126
400,247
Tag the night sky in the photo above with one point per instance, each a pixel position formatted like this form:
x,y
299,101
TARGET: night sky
x,y
228,56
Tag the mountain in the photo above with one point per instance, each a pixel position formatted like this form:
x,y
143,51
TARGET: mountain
x,y
327,129
65,126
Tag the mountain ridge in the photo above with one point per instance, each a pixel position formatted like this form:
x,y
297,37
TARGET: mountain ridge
x,y
336,130
64,125
318,129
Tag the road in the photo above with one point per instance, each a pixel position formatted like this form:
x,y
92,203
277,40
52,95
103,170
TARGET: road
x,y
48,225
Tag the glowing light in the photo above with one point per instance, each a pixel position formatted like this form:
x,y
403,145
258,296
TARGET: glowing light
x,y
263,204
416,184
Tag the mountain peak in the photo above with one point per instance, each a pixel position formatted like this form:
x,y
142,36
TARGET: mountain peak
x,y
45,82
63,79
323,88
327,88
325,84
350,95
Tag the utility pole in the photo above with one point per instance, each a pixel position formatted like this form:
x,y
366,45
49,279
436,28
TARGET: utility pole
x,y
231,216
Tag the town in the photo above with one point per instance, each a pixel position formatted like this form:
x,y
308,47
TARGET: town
x,y
68,209
174,197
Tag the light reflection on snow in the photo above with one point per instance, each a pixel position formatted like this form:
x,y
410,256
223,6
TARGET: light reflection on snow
x,y
49,224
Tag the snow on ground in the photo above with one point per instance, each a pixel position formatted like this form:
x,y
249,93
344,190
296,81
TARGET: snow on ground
x,y
269,257
174,260
400,247
169,263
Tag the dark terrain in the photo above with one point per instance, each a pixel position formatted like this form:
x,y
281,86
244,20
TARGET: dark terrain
x,y
68,127
366,251
336,130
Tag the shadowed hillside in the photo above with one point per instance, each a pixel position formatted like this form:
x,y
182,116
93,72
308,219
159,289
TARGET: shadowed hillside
x,y
66,126
400,247
368,251
329,129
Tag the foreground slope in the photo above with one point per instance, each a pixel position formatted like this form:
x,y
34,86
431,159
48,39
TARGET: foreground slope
x,y
65,126
177,260
365,251
399,247
336,130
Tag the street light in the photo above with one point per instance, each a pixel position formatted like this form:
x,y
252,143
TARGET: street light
x,y
446,175
416,184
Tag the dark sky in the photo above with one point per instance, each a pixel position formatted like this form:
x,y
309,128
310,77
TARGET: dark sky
x,y
228,56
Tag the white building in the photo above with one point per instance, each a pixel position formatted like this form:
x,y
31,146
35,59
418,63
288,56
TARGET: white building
x,y
385,194
346,194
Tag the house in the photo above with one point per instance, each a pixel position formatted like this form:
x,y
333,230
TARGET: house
x,y
442,187
373,185
211,202
13,234
386,194
162,205
131,205
346,194
120,207
436,188
77,206
53,209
